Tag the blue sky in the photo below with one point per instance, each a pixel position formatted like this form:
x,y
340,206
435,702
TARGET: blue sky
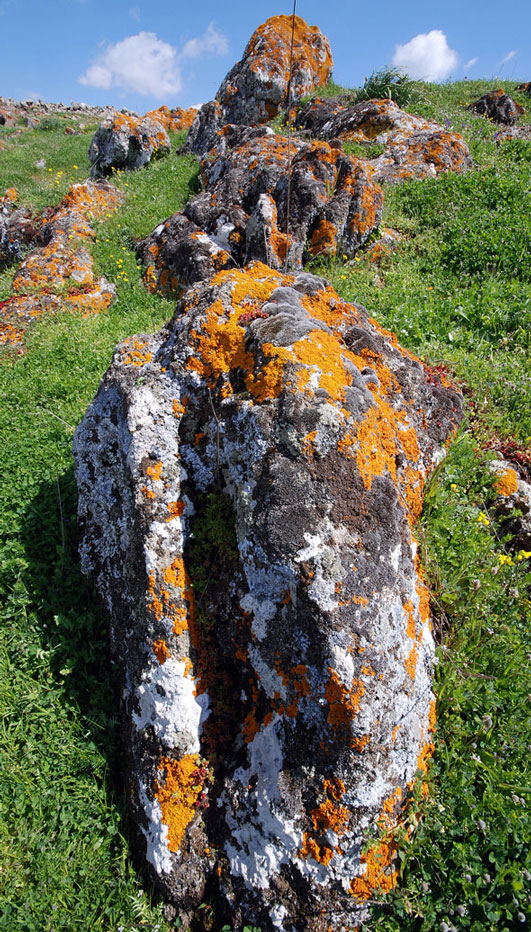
x,y
140,54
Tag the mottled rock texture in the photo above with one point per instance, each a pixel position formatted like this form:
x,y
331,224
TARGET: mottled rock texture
x,y
242,214
513,504
498,107
414,147
525,88
249,482
58,273
173,120
126,142
256,88
18,230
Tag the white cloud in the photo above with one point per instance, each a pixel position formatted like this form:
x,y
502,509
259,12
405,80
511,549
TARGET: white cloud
x,y
210,41
470,63
148,65
134,12
507,57
142,63
426,57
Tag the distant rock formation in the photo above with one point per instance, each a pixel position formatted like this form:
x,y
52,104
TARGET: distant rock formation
x,y
255,89
414,147
498,107
58,272
249,480
127,143
242,214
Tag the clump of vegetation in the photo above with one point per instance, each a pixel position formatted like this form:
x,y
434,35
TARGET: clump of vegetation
x,y
387,82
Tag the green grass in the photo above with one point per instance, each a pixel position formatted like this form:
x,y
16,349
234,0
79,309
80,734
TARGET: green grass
x,y
457,292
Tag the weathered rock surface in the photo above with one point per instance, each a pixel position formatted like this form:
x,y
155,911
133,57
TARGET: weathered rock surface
x,y
256,88
18,229
513,504
58,273
175,119
249,480
242,214
497,106
414,147
126,142
525,88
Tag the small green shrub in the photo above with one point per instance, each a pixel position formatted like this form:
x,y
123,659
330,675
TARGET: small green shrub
x,y
388,82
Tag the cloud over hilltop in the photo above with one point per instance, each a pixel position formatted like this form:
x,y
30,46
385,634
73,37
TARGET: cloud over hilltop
x,y
426,57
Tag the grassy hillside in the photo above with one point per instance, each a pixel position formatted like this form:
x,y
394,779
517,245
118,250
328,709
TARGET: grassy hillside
x,y
457,291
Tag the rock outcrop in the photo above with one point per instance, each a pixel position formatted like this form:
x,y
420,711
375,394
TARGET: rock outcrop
x,y
249,480
126,143
498,107
414,147
242,214
18,229
513,504
256,88
173,120
525,88
59,272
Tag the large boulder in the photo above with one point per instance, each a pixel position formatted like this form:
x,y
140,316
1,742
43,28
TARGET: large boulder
x,y
498,107
124,142
414,147
249,480
256,88
334,205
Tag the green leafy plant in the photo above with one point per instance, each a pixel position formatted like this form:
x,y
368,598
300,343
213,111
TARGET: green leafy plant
x,y
387,82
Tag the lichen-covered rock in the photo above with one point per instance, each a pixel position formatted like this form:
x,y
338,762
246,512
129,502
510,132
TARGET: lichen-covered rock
x,y
525,88
498,107
59,272
18,228
242,214
256,88
513,504
173,120
249,481
126,142
414,147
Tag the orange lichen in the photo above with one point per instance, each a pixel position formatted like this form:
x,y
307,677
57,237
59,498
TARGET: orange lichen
x,y
161,650
155,471
379,875
137,355
178,794
507,482
328,816
175,509
343,703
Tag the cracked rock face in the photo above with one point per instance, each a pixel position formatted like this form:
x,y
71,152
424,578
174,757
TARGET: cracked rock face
x,y
498,106
126,142
255,89
249,482
414,147
242,214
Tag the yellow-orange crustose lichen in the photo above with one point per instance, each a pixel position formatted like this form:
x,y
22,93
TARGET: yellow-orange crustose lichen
x,y
178,794
379,874
377,442
161,650
507,482
330,815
